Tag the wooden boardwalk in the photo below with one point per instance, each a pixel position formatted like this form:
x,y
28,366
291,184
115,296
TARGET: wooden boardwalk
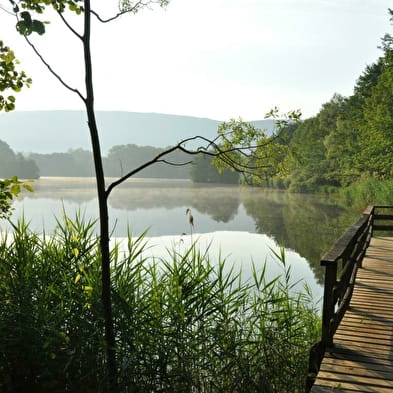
x,y
361,359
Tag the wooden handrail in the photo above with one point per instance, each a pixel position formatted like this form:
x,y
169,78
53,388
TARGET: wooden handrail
x,y
341,264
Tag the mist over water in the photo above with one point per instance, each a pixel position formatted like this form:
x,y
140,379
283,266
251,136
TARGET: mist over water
x,y
242,224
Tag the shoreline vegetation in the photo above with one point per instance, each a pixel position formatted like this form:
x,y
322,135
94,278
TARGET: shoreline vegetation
x,y
366,192
182,322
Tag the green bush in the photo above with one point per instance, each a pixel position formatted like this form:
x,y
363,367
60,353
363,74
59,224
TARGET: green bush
x,y
183,324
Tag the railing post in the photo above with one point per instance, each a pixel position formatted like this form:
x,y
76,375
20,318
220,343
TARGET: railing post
x,y
372,215
328,302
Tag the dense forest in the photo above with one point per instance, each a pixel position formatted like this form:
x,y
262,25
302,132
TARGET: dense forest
x,y
12,163
350,140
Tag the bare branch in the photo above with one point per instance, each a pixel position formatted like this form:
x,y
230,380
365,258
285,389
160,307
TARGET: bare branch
x,y
53,72
143,166
175,163
2,7
69,26
224,155
217,152
220,152
118,15
133,9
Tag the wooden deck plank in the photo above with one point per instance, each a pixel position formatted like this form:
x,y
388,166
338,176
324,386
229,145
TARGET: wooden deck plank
x,y
347,356
338,387
361,359
363,308
351,328
358,352
357,371
378,331
383,340
379,292
375,301
349,379
386,368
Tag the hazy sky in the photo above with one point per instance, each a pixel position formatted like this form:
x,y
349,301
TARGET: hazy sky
x,y
211,58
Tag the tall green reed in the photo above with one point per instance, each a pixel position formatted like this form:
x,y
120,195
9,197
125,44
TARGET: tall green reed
x,y
183,323
368,191
51,315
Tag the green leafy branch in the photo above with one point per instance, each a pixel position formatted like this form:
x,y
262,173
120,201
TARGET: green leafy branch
x,y
9,190
10,77
250,151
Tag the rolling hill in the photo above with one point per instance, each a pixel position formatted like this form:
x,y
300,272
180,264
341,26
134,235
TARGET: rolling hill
x,y
59,131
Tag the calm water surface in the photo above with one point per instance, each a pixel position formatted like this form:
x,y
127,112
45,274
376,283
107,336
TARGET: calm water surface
x,y
243,224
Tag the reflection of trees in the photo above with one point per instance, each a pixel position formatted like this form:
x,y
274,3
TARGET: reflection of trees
x,y
152,198
219,202
303,223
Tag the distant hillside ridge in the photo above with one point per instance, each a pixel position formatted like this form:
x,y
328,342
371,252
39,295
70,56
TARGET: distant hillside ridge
x,y
59,131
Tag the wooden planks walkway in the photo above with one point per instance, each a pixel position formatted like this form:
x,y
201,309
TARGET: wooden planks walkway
x,y
362,357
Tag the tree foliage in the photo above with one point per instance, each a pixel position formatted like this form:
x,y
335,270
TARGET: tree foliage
x,y
9,190
250,151
11,79
377,139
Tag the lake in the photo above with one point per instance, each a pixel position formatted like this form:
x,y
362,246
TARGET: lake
x,y
244,224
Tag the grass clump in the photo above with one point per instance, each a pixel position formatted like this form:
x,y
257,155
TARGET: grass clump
x,y
183,324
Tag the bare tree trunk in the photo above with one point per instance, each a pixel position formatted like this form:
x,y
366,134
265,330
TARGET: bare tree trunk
x,y
103,209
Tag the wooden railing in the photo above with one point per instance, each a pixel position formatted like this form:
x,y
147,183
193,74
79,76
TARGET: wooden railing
x,y
341,264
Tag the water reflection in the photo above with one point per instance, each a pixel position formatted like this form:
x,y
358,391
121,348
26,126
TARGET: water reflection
x,y
306,224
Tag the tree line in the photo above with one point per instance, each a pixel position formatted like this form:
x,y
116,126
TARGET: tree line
x,y
79,163
15,164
